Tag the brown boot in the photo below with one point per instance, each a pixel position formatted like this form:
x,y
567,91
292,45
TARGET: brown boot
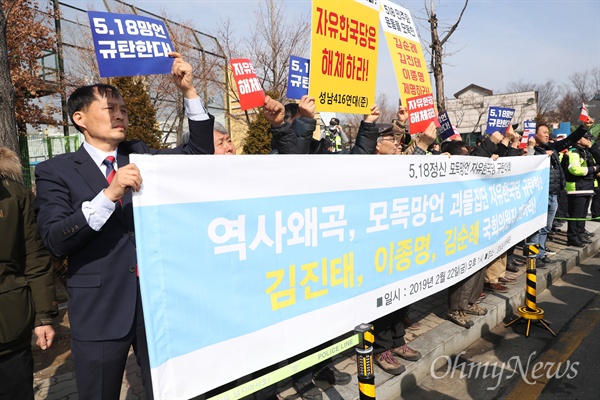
x,y
387,362
407,353
505,280
495,287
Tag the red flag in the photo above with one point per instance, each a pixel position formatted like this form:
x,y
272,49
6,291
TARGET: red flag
x,y
584,114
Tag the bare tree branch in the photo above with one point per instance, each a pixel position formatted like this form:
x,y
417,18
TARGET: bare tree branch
x,y
437,51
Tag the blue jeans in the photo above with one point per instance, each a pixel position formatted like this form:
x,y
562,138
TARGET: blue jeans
x,y
541,236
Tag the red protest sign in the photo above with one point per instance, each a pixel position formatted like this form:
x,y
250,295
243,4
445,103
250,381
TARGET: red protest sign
x,y
248,86
584,116
421,113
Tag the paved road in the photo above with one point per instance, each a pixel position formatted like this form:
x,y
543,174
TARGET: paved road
x,y
504,364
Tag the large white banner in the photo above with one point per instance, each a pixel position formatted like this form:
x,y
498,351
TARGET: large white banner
x,y
258,258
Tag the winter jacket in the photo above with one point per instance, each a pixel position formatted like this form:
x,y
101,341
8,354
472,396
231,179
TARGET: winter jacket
x,y
26,277
557,177
486,149
366,138
595,150
580,174
294,138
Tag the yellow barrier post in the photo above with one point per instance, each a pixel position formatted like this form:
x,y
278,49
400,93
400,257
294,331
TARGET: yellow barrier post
x,y
531,312
364,362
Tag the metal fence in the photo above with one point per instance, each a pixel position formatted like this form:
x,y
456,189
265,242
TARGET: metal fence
x,y
74,64
76,58
42,147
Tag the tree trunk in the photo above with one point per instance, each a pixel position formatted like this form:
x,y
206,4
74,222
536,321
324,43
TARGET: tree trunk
x,y
437,53
436,63
8,122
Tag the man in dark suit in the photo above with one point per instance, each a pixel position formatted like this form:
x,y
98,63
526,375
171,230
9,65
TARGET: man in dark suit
x,y
85,213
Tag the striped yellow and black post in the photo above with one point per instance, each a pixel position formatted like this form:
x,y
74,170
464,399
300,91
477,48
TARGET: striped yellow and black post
x,y
531,312
364,362
530,290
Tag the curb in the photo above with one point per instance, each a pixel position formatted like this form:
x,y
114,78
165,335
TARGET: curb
x,y
449,339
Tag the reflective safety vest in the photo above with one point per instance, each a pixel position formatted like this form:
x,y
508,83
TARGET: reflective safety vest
x,y
580,175
336,140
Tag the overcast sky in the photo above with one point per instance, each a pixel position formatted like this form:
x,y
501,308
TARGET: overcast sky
x,y
497,42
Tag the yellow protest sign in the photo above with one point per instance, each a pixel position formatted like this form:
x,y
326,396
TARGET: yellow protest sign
x,y
405,50
343,63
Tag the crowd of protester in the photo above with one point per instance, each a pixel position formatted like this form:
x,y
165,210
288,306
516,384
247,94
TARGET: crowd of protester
x,y
84,212
573,174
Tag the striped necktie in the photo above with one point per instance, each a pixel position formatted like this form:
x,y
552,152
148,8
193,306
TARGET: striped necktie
x,y
110,170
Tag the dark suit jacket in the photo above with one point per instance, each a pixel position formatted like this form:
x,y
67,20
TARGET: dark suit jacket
x,y
102,264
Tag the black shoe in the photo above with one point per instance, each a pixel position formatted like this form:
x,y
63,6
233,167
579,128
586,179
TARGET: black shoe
x,y
590,234
517,263
575,243
547,260
584,240
539,264
511,268
333,376
308,390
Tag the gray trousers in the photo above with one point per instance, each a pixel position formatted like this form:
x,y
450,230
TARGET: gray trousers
x,y
466,292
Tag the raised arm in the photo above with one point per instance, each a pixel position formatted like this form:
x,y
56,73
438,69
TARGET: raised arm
x,y
366,138
200,121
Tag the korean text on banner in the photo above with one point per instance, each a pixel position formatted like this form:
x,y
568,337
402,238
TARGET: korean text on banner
x,y
499,119
446,129
250,91
130,45
272,266
421,113
405,50
343,58
298,77
529,128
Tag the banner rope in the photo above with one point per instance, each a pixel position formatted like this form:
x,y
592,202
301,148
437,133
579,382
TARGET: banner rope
x,y
286,371
577,219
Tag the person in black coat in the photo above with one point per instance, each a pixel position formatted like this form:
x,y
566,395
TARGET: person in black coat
x,y
293,125
27,298
557,179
